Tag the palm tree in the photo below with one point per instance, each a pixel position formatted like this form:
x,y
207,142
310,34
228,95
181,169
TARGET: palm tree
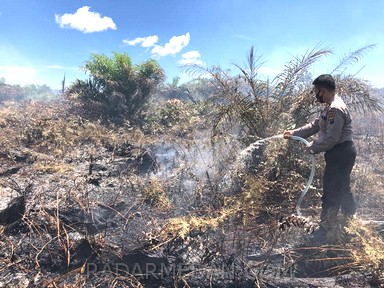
x,y
258,108
117,86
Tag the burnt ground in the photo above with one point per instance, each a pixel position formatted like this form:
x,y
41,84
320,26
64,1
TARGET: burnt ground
x,y
90,205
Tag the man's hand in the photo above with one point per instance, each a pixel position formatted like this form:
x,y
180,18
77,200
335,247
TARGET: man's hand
x,y
309,148
287,134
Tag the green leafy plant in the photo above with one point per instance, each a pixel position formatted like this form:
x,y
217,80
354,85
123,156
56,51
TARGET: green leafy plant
x,y
116,88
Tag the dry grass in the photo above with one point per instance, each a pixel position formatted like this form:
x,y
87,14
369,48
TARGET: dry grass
x,y
50,128
209,226
154,193
367,248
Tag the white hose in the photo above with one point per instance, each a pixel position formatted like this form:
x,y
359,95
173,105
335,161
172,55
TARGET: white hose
x,y
313,166
310,180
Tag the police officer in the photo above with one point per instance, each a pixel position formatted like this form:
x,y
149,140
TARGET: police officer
x,y
334,128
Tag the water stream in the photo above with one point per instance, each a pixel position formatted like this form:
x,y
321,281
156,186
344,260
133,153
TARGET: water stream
x,y
197,160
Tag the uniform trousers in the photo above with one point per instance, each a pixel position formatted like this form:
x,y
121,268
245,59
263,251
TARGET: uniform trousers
x,y
337,194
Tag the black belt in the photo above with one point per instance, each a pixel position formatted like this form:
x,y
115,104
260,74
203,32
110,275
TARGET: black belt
x,y
341,145
345,143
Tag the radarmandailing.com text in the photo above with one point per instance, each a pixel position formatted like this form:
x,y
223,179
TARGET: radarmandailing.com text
x,y
149,270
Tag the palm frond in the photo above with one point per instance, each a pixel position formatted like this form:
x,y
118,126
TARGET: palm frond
x,y
352,58
250,72
358,94
295,70
198,71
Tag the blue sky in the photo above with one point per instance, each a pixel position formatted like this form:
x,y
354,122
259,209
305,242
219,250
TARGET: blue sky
x,y
41,40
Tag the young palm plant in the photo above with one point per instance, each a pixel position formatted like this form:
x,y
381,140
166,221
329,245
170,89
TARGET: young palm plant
x,y
116,86
256,108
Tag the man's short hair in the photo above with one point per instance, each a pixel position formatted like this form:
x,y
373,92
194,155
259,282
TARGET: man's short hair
x,y
325,81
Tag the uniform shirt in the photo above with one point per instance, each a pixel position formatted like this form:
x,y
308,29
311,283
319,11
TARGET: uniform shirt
x,y
334,126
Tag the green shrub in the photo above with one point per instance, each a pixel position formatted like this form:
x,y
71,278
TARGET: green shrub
x,y
116,89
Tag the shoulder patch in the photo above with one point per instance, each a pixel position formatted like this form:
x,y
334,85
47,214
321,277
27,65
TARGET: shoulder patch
x,y
331,116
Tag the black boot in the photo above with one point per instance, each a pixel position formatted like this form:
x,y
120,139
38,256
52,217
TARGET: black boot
x,y
319,235
328,226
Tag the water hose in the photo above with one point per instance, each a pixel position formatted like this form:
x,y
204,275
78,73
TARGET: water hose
x,y
310,179
313,167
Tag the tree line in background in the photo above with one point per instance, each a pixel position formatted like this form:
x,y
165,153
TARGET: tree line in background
x,y
119,90
18,93
239,101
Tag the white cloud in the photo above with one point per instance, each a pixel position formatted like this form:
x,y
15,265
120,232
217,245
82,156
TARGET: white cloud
x,y
174,45
191,57
51,75
18,75
59,67
55,67
244,37
85,21
144,41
